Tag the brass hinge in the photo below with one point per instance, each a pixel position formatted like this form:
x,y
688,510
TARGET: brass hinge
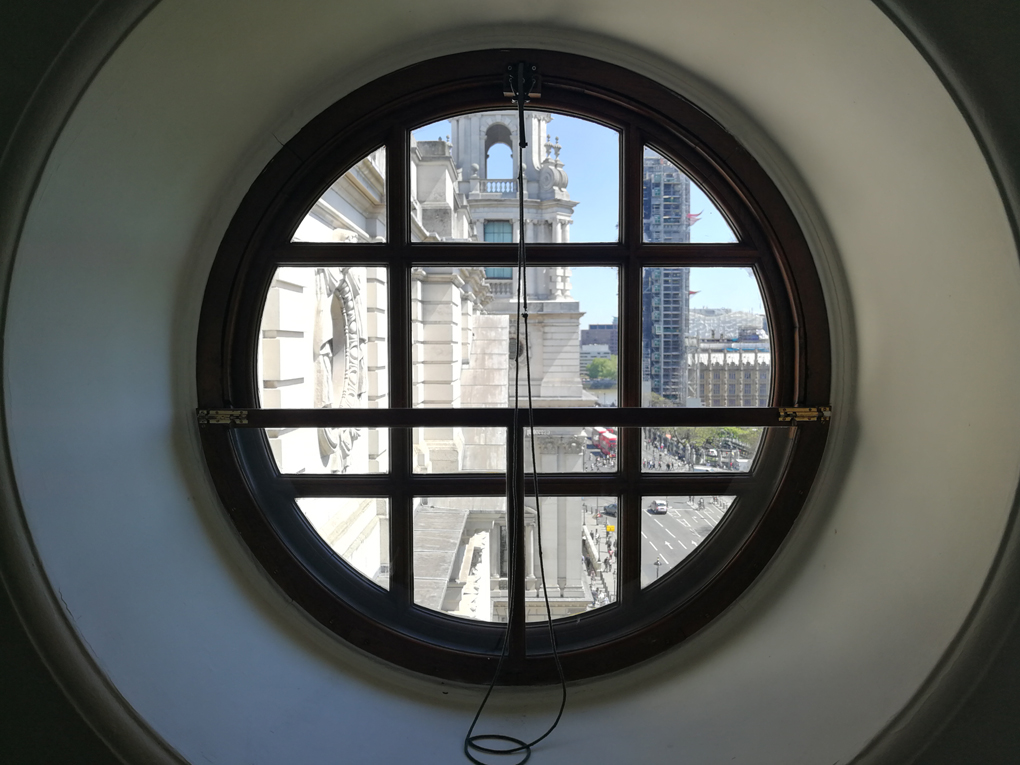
x,y
805,413
222,416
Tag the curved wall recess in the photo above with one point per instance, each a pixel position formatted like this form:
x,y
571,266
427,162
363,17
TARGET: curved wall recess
x,y
831,643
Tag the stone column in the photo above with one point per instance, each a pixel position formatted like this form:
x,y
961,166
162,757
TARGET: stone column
x,y
441,356
529,557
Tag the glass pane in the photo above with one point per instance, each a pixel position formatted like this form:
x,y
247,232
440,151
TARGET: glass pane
x,y
671,527
357,529
464,179
323,339
353,208
464,326
354,451
579,552
459,450
597,293
571,450
705,338
460,556
602,449
700,450
676,209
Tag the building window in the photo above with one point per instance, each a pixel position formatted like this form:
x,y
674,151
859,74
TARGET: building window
x,y
498,231
375,349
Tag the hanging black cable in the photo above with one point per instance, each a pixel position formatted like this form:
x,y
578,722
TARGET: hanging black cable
x,y
522,80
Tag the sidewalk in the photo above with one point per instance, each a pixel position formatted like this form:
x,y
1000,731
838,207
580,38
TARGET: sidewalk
x,y
595,532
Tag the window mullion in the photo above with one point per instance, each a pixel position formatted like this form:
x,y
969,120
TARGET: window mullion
x,y
630,292
629,513
398,187
515,525
402,519
399,302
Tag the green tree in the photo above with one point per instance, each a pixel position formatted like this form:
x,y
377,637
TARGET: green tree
x,y
744,439
600,369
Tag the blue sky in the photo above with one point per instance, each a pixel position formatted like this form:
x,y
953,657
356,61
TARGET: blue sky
x,y
590,155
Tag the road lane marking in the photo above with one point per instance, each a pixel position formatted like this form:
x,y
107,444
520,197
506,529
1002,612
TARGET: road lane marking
x,y
669,545
644,535
658,522
682,544
653,545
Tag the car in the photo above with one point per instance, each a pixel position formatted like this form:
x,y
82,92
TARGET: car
x,y
658,507
609,509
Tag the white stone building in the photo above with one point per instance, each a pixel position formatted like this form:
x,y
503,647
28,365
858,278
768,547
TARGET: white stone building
x,y
324,344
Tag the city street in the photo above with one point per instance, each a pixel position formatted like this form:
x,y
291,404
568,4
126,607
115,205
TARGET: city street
x,y
596,462
656,460
671,537
667,538
653,460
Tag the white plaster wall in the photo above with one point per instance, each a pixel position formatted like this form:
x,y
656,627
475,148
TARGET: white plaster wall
x,y
829,645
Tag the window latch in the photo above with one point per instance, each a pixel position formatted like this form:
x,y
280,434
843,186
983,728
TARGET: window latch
x,y
805,413
522,78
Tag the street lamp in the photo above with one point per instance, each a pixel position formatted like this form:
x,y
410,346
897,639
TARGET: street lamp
x,y
658,562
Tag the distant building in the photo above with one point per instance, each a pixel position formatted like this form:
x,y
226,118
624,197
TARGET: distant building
x,y
664,331
666,291
731,378
667,201
718,323
602,334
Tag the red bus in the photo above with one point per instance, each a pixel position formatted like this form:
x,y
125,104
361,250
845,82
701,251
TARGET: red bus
x,y
607,443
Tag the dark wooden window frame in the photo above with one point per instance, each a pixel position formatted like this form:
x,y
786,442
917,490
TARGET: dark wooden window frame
x,y
644,621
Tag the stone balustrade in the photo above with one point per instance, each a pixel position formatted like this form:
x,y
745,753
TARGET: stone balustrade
x,y
500,186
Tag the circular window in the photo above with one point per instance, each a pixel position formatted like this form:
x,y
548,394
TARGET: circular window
x,y
360,356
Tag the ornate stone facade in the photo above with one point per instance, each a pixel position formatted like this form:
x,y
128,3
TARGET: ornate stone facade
x,y
324,344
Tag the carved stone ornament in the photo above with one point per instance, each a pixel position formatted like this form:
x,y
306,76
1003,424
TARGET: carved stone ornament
x,y
340,368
